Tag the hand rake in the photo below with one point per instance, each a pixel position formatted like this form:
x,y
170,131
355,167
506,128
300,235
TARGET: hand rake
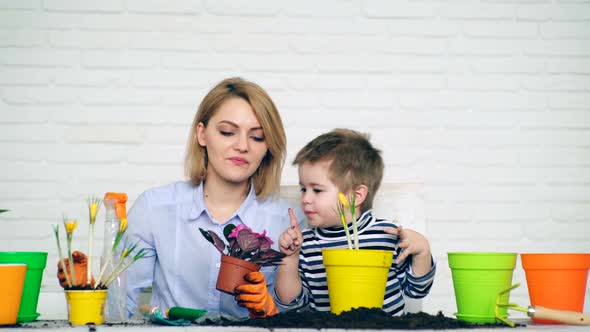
x,y
562,316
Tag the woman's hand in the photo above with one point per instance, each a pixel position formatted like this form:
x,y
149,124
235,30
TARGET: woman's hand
x,y
80,269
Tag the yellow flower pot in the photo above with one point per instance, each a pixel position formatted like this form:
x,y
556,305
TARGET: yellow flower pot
x,y
356,278
86,306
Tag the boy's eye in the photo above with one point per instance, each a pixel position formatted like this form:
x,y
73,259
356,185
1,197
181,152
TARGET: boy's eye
x,y
317,191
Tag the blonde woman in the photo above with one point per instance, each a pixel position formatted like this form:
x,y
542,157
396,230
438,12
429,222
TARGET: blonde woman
x,y
234,158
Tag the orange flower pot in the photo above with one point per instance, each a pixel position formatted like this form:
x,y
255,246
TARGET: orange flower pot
x,y
556,281
12,280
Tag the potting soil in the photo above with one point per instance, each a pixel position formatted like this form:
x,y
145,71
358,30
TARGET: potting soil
x,y
361,318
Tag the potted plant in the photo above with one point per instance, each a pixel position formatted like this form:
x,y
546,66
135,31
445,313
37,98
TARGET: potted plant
x,y
244,252
86,299
356,277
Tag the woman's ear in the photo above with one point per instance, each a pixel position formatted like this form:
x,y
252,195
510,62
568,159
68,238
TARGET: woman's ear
x,y
360,194
200,135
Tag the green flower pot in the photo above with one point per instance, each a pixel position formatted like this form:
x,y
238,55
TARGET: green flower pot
x,y
478,277
35,265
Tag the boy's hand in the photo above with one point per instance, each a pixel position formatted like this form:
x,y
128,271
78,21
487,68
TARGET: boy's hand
x,y
412,243
292,238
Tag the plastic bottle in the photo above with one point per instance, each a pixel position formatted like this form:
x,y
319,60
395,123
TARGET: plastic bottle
x,y
116,305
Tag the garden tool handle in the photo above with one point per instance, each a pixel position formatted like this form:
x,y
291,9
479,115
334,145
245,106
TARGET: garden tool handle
x,y
563,316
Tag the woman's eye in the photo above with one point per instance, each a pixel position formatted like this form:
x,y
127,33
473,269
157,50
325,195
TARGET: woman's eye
x,y
258,139
302,190
317,191
226,133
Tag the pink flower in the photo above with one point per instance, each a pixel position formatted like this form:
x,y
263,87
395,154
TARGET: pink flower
x,y
264,239
236,231
234,234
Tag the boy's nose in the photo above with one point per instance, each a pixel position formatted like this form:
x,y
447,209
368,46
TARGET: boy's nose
x,y
305,198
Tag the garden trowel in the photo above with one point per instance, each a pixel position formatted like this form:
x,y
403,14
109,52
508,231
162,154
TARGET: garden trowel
x,y
562,316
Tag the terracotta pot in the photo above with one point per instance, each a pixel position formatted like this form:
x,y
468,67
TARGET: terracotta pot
x,y
232,272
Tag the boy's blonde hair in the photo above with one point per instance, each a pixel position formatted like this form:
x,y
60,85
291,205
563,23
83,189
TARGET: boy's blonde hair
x,y
355,161
267,178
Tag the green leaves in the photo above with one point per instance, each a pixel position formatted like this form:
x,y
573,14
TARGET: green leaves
x,y
227,230
348,203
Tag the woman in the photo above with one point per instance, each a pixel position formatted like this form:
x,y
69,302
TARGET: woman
x,y
234,159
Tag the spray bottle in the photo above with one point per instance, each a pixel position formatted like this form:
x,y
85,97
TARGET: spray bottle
x,y
116,306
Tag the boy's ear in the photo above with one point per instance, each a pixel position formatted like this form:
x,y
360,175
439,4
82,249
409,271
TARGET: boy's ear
x,y
360,193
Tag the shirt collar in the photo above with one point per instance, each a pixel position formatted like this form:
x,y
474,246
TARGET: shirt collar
x,y
198,206
245,214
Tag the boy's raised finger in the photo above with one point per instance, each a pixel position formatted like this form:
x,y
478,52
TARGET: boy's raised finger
x,y
294,222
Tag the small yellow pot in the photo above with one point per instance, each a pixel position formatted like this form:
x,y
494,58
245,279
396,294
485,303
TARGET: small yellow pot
x,y
86,306
356,278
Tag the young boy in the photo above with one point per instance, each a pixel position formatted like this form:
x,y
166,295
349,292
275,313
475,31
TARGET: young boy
x,y
345,161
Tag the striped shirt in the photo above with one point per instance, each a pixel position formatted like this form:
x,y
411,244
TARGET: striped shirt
x,y
400,281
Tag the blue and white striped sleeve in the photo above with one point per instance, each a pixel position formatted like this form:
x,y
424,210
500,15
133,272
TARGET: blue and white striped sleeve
x,y
419,287
300,301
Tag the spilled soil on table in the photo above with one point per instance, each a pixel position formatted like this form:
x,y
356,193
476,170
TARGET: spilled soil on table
x,y
361,318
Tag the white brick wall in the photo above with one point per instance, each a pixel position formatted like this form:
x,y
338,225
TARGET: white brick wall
x,y
486,103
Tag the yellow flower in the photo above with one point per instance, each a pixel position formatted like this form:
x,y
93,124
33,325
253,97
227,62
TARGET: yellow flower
x,y
93,207
70,226
123,225
343,200
125,253
93,211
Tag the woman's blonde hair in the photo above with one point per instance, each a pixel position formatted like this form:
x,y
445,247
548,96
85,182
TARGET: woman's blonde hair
x,y
267,178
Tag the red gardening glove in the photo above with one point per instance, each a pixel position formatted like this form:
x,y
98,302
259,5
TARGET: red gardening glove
x,y
80,269
255,296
